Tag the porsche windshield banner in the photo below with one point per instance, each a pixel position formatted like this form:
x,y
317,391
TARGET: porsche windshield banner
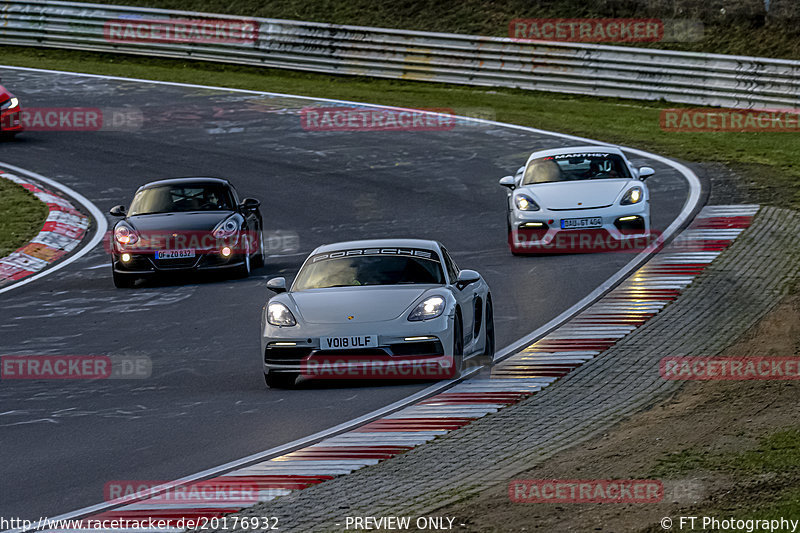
x,y
408,252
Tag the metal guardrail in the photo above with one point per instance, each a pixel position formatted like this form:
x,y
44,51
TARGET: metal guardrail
x,y
626,72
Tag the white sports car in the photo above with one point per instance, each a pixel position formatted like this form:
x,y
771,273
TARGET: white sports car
x,y
577,199
391,308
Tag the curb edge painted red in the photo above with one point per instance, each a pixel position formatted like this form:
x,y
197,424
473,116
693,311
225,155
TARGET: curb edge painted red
x,y
63,229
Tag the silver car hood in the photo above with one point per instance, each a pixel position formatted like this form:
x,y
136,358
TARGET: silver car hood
x,y
363,304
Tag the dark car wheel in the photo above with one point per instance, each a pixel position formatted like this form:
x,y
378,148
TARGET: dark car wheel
x,y
123,281
511,245
458,348
243,271
488,350
280,380
261,256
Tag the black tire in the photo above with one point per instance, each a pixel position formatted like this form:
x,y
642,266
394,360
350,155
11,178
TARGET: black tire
x,y
123,281
260,258
243,271
511,241
280,380
458,347
488,350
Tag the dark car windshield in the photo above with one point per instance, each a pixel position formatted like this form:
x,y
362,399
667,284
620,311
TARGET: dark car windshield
x,y
378,266
178,198
574,167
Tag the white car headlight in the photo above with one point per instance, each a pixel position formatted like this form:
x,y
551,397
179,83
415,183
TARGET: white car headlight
x,y
9,104
525,203
279,315
633,196
227,227
428,308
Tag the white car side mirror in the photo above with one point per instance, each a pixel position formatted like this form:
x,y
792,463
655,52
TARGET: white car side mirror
x,y
645,172
508,181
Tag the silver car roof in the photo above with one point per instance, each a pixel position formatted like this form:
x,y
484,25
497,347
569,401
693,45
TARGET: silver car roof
x,y
378,243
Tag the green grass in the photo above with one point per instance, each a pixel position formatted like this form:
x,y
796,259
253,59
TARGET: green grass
x,y
763,480
21,216
731,27
778,452
768,161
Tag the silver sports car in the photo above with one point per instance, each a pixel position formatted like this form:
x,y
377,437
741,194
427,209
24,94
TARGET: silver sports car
x,y
388,308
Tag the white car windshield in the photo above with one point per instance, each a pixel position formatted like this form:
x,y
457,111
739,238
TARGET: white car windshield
x,y
376,266
575,167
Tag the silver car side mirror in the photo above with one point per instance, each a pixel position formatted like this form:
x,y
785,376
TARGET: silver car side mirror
x,y
466,277
277,284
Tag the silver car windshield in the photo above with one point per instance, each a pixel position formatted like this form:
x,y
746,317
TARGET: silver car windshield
x,y
575,167
360,267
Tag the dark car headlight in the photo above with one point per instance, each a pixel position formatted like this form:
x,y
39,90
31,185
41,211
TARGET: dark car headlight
x,y
228,227
125,235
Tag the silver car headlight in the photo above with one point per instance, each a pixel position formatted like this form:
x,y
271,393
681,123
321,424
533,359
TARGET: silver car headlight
x,y
279,315
428,308
227,228
525,203
9,104
633,196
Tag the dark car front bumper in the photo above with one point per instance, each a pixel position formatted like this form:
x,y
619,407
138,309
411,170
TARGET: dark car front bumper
x,y
144,264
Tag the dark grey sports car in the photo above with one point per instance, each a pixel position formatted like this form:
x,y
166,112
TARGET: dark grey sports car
x,y
186,224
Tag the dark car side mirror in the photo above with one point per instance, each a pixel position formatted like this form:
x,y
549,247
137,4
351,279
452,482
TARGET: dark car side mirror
x,y
466,277
250,204
277,285
117,211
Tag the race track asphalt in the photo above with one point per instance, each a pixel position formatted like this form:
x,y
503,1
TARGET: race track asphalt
x,y
206,403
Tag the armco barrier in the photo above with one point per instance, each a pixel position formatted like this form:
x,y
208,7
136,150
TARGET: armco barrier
x,y
640,73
